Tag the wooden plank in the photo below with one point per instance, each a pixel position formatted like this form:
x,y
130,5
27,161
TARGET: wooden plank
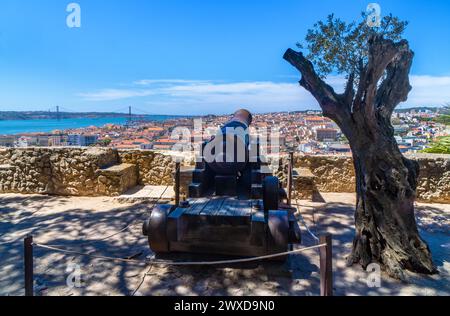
x,y
245,207
225,210
234,207
214,206
197,205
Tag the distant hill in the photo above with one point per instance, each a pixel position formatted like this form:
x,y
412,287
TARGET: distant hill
x,y
41,115
419,109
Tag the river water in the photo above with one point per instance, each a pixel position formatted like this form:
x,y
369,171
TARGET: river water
x,y
47,125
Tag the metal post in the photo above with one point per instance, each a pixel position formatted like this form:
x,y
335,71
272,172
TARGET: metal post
x,y
28,265
177,183
290,178
326,266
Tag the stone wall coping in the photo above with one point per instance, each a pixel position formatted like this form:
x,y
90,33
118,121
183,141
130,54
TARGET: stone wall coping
x,y
304,173
118,168
411,156
428,156
95,150
164,153
49,148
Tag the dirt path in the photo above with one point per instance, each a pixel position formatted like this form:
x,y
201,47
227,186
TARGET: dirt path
x,y
82,224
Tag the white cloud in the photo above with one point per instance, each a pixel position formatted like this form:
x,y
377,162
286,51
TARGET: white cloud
x,y
202,96
176,96
429,91
146,82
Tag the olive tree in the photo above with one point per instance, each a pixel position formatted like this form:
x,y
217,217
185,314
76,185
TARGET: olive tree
x,y
376,63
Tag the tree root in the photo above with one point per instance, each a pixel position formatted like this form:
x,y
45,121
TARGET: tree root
x,y
393,263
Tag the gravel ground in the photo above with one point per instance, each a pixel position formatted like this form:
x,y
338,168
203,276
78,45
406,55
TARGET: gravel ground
x,y
94,225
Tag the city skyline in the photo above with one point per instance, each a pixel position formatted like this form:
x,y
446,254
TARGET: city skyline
x,y
170,57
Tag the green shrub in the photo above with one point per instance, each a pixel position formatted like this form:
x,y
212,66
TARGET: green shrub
x,y
443,119
440,146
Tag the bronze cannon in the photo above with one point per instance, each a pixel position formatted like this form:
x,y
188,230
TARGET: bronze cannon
x,y
234,207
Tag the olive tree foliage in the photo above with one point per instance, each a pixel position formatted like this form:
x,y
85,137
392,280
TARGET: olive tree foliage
x,y
341,48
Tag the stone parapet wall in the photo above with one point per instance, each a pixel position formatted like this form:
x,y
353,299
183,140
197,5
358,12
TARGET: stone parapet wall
x,y
337,174
80,171
75,172
3,156
332,173
116,180
154,168
102,171
25,171
434,180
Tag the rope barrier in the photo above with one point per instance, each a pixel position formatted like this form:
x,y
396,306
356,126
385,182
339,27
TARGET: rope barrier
x,y
205,263
170,263
72,252
19,239
202,263
325,256
302,220
132,223
13,241
142,280
299,217
88,241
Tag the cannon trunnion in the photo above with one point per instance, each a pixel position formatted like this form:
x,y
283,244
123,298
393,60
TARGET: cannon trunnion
x,y
234,207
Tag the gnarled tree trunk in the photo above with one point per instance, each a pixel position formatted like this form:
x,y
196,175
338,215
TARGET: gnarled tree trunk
x,y
386,229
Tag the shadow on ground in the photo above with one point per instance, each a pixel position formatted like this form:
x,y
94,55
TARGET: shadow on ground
x,y
83,224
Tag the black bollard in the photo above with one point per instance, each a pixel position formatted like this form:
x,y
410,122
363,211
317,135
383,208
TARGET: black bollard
x,y
28,266
326,266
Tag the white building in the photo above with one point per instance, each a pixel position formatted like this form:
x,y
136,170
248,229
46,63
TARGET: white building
x,y
82,140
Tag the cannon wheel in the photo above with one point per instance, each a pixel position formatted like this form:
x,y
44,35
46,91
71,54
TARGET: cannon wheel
x,y
278,233
157,229
271,193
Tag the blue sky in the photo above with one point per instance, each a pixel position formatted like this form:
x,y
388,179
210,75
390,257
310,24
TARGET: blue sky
x,y
189,56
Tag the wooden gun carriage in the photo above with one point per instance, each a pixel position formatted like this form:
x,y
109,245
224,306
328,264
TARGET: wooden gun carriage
x,y
235,206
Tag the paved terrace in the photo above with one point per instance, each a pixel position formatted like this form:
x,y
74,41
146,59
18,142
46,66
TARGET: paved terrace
x,y
100,226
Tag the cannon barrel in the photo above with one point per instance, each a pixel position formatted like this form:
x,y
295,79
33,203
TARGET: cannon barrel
x,y
243,116
230,149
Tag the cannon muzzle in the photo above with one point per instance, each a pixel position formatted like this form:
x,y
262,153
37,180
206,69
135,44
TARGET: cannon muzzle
x,y
228,152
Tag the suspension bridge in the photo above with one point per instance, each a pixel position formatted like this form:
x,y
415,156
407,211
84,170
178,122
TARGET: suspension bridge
x,y
133,114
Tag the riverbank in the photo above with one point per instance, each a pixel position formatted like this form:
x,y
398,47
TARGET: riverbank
x,y
16,127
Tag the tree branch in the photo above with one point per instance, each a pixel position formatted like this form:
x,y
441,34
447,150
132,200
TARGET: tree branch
x,y
322,92
382,52
396,87
349,93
